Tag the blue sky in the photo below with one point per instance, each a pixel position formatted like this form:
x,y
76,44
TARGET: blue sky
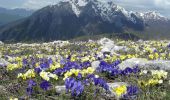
x,y
162,6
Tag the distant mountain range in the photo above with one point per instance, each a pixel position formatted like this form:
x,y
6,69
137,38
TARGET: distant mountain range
x,y
10,15
74,18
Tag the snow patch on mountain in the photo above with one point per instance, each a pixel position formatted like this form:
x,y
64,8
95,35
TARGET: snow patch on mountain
x,y
108,10
77,5
151,15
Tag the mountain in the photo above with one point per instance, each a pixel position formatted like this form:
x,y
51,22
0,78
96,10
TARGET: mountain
x,y
10,15
74,18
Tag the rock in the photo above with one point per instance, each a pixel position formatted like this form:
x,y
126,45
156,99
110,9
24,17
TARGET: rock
x,y
140,41
60,89
132,62
117,48
105,49
95,64
59,43
105,41
145,64
1,43
108,45
158,64
3,62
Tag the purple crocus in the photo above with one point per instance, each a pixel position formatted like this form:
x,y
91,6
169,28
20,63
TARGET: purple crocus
x,y
29,89
79,76
45,85
132,90
76,87
31,83
37,70
101,83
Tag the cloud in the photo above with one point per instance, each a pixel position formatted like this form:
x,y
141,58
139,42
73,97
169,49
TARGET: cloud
x,y
36,4
162,6
162,3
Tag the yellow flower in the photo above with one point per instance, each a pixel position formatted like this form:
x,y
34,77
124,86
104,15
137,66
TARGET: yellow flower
x,y
55,66
37,64
159,74
20,75
54,76
29,74
120,90
122,57
75,72
44,75
90,70
153,81
156,55
11,67
151,56
18,59
85,59
13,99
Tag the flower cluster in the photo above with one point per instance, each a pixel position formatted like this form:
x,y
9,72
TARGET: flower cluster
x,y
157,77
83,66
77,72
11,67
76,87
114,70
47,75
28,75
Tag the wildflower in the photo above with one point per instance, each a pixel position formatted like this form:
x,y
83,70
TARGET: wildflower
x,y
77,88
132,90
159,74
160,81
13,98
53,67
101,83
153,81
69,82
127,71
11,67
37,70
46,75
45,85
31,83
143,72
79,76
53,76
151,56
29,74
29,90
90,70
120,90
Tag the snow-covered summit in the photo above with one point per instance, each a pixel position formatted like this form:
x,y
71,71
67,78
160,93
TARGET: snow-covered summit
x,y
151,15
108,10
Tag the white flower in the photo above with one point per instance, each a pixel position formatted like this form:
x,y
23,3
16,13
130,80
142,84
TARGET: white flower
x,y
145,71
160,81
96,76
